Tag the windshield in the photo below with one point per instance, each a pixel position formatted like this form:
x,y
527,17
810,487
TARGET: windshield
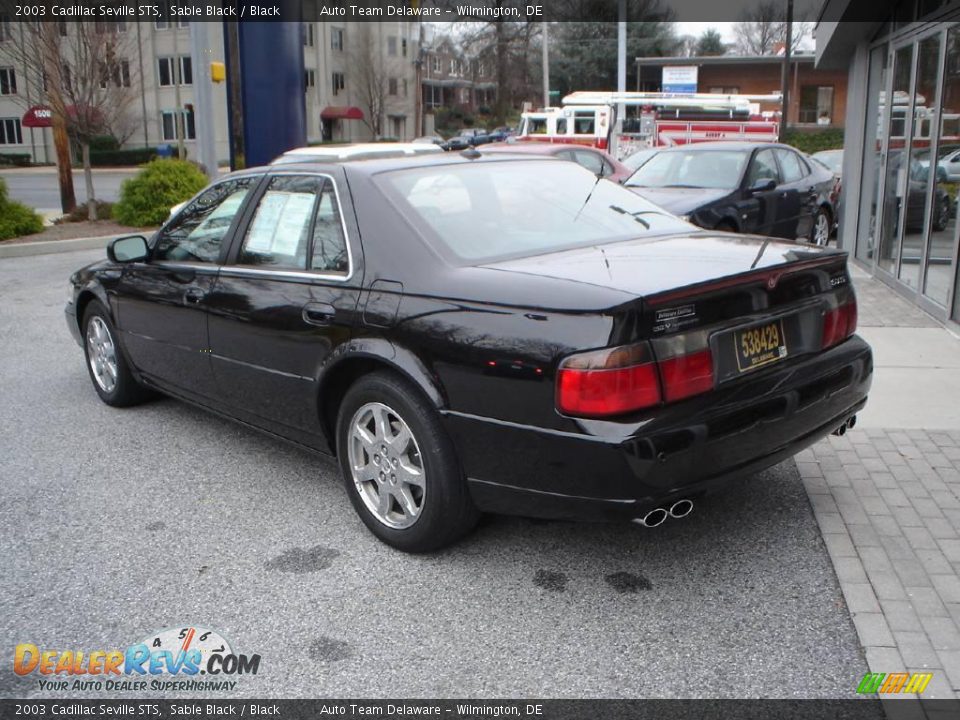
x,y
717,169
638,158
492,209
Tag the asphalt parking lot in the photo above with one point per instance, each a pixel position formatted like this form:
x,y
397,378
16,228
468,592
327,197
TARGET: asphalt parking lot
x,y
119,523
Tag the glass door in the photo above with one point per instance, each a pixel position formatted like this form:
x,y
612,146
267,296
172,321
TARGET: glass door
x,y
873,149
895,173
942,260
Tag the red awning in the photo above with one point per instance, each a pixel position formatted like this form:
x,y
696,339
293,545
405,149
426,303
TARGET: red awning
x,y
341,112
38,116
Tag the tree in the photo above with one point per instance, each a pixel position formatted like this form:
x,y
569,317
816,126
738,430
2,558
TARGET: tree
x,y
87,77
762,29
370,77
710,43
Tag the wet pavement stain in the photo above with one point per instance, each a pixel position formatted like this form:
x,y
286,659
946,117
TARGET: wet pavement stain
x,y
299,560
329,649
624,582
549,580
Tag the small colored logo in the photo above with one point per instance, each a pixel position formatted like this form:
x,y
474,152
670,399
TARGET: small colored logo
x,y
184,652
894,683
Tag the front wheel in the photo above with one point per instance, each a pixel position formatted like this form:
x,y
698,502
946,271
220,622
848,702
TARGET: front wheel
x,y
108,368
820,232
400,467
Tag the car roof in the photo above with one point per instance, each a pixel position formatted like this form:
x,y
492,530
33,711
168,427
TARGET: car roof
x,y
378,165
532,147
725,145
357,151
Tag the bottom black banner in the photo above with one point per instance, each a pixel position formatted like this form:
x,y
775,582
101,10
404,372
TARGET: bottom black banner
x,y
854,709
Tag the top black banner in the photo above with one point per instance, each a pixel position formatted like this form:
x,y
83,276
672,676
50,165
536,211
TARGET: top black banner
x,y
519,11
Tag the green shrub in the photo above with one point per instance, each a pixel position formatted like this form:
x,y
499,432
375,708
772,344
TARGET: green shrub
x,y
80,212
18,159
16,219
101,143
814,140
134,156
146,198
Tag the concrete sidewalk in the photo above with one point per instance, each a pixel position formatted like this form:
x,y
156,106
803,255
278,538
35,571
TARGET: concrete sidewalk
x,y
887,495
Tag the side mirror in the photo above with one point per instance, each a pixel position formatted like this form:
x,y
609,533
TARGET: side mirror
x,y
128,249
763,185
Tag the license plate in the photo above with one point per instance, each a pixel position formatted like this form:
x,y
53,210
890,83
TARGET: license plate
x,y
760,345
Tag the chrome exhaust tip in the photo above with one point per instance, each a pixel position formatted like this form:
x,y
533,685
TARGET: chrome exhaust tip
x,y
652,519
840,431
852,422
681,508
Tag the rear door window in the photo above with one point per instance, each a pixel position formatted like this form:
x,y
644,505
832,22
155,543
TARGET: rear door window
x,y
790,166
763,167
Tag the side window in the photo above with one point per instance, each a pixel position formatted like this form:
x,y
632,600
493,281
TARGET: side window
x,y
790,165
763,167
279,232
197,233
329,244
584,122
591,161
561,126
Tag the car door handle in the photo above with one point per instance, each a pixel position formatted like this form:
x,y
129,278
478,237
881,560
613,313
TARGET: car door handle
x,y
193,295
321,314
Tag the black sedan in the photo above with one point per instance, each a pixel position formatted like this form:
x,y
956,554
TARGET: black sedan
x,y
480,334
741,187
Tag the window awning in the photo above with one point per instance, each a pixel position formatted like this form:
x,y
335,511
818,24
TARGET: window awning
x,y
341,112
38,116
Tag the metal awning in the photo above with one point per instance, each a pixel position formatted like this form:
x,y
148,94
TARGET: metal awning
x,y
341,112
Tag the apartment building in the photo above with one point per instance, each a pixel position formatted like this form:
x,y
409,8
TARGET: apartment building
x,y
360,81
452,78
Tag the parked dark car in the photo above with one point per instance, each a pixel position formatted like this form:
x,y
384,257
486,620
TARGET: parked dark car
x,y
457,142
479,334
598,162
918,183
744,187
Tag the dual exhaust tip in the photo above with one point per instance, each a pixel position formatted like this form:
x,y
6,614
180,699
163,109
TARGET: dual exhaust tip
x,y
658,516
848,424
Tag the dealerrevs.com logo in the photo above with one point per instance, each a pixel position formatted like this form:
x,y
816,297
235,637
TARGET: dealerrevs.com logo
x,y
184,658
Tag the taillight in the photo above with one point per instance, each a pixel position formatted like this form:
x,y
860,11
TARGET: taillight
x,y
625,379
687,375
839,324
607,382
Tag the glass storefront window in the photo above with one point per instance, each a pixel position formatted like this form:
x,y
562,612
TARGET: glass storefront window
x,y
942,261
872,147
896,166
919,169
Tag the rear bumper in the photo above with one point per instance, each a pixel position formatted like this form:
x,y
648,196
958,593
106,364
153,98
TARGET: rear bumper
x,y
620,470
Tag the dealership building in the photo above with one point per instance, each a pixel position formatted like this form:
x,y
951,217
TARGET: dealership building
x,y
901,165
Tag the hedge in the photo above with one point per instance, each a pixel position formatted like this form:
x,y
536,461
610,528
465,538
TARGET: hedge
x,y
18,159
130,156
814,140
16,219
146,198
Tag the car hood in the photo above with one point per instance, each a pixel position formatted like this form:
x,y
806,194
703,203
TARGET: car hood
x,y
649,266
680,201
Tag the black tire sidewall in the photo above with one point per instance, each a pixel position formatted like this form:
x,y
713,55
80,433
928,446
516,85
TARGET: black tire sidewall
x,y
440,520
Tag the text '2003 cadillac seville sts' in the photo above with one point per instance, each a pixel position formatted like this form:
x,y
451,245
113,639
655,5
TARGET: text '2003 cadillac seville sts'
x,y
480,335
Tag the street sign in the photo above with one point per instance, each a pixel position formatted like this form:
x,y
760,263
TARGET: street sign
x,y
679,79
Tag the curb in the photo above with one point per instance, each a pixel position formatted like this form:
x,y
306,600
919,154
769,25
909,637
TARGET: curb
x,y
48,247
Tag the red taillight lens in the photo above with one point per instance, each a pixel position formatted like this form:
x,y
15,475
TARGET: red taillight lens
x,y
687,375
608,382
597,393
839,324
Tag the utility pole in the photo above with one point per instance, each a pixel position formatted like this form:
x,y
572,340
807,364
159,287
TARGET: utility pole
x,y
200,57
546,64
785,75
621,63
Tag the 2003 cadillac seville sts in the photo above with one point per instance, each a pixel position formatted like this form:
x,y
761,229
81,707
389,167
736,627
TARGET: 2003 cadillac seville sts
x,y
472,334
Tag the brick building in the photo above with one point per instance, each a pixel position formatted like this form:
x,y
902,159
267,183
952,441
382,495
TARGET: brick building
x,y
817,96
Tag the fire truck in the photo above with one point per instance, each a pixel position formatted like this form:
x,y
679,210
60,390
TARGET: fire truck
x,y
652,120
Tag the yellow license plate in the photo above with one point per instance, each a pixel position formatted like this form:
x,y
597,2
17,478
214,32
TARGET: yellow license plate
x,y
760,345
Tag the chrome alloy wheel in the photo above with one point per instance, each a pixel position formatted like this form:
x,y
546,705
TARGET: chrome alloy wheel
x,y
821,232
386,465
102,354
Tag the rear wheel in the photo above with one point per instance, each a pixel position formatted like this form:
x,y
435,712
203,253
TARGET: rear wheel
x,y
400,467
108,368
941,216
820,232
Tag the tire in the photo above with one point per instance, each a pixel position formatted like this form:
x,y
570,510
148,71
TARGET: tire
x,y
820,230
411,516
106,364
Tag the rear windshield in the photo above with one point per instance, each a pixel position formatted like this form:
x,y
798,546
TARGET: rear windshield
x,y
497,209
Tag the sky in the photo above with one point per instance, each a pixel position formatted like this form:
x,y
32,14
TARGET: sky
x,y
697,29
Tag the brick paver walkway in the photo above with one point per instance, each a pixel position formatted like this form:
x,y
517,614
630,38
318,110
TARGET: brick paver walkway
x,y
888,504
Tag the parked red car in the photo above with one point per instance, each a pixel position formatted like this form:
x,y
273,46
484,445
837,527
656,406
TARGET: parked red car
x,y
598,162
